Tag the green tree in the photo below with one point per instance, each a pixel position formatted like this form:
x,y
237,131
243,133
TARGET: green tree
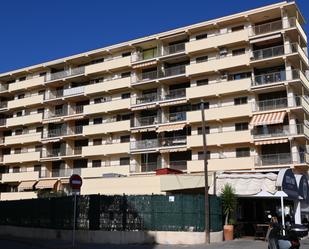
x,y
229,202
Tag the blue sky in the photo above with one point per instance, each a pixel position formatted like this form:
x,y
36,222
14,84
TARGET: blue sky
x,y
35,31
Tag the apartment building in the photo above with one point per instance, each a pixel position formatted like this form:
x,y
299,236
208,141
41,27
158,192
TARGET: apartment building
x,y
116,115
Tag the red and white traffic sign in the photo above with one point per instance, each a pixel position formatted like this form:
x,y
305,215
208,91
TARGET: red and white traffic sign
x,y
76,182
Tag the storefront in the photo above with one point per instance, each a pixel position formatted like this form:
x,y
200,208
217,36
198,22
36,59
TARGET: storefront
x,y
259,195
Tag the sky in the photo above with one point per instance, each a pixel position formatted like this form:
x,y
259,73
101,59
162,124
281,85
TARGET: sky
x,y
36,31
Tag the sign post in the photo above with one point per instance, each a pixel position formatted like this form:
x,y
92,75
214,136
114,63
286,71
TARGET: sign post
x,y
75,183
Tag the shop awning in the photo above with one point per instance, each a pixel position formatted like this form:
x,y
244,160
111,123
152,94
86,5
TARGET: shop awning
x,y
268,118
274,141
146,64
43,184
26,185
171,127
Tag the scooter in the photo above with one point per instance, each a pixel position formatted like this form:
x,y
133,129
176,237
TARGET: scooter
x,y
278,241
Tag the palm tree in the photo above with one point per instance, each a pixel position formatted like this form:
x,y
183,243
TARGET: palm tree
x,y
229,201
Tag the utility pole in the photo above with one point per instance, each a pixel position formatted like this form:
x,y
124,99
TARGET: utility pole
x,y
207,232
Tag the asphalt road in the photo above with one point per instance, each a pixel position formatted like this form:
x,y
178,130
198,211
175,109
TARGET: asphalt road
x,y
236,244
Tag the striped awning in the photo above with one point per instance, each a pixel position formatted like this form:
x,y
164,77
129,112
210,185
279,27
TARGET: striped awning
x,y
268,118
274,141
80,116
26,185
143,130
173,150
45,184
51,120
146,64
143,107
171,127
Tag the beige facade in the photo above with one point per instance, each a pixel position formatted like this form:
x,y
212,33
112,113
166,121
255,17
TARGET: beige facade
x,y
118,114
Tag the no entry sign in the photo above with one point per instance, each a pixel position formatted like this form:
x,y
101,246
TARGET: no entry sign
x,y
76,181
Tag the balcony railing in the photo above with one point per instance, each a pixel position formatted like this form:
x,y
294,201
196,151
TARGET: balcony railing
x,y
176,117
158,142
3,104
4,87
59,173
54,94
150,166
146,98
175,94
280,159
275,77
274,104
179,165
173,49
64,131
272,26
145,121
65,73
278,131
274,51
167,72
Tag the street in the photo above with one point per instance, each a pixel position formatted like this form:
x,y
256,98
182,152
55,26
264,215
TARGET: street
x,y
14,243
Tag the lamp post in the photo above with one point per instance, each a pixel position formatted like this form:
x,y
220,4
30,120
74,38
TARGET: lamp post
x,y
207,233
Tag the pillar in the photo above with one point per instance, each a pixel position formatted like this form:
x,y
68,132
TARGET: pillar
x,y
297,213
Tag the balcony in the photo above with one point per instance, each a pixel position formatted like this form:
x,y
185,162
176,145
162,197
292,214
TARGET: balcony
x,y
59,173
108,106
220,113
22,157
173,95
108,85
106,169
26,84
69,92
23,139
216,41
108,65
3,105
167,50
146,121
175,117
65,74
219,88
28,101
108,127
305,103
61,152
280,159
9,196
65,131
20,176
146,99
106,149
220,138
157,75
218,63
4,87
24,120
222,164
276,104
158,143
274,78
150,166
278,131
272,52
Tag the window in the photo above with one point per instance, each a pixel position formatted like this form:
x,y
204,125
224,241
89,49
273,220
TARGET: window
x,y
200,155
98,80
17,150
38,148
196,107
243,152
21,96
125,139
200,131
41,92
19,114
98,100
18,131
125,95
237,28
124,161
42,74
201,59
238,76
99,60
240,100
96,163
97,121
39,129
125,75
241,126
37,168
201,36
40,110
202,82
123,117
97,141
126,54
16,169
22,78
238,51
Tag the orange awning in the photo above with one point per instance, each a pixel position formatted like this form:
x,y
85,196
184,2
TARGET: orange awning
x,y
274,141
26,185
146,64
171,127
268,118
43,184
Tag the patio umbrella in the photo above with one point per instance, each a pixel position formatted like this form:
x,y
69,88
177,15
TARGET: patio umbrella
x,y
282,194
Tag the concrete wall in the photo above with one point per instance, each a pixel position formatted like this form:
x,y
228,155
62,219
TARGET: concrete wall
x,y
115,237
